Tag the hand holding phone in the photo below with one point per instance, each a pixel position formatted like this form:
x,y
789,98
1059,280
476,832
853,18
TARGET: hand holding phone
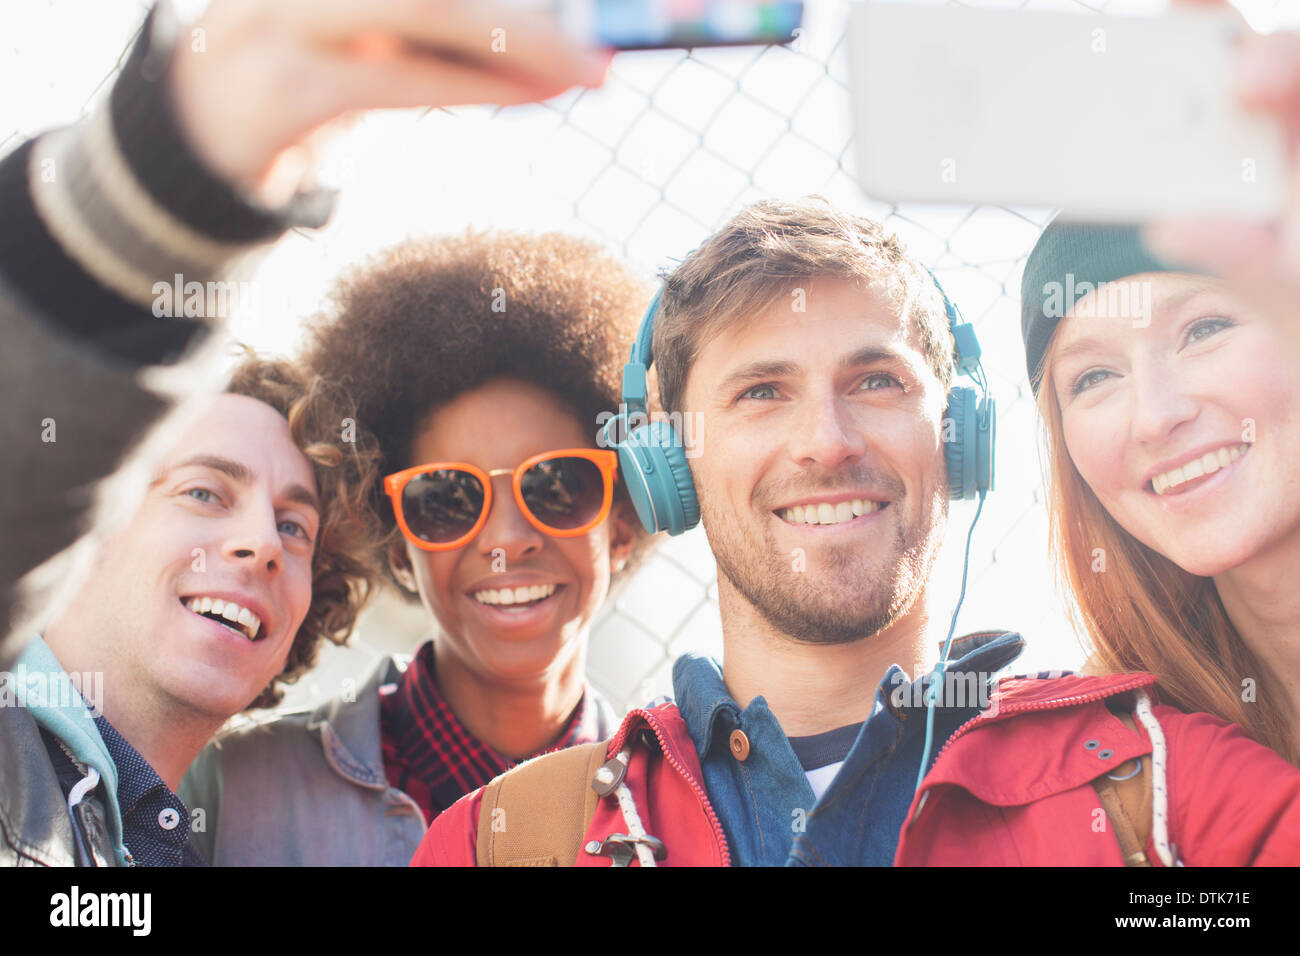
x,y
268,77
1108,117
1268,83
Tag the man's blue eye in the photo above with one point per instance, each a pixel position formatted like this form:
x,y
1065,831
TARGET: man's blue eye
x,y
760,388
886,380
293,528
196,492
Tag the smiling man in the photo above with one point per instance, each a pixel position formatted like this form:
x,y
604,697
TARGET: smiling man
x,y
242,556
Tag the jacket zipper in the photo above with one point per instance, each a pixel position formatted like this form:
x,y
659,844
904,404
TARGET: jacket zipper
x,y
694,785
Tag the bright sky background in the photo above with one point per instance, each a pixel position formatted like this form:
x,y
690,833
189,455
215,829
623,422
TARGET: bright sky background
x,y
648,165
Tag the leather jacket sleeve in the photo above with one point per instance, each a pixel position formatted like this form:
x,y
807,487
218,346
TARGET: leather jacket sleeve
x,y
96,218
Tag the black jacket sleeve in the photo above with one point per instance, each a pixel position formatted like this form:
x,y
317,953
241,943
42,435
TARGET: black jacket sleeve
x,y
92,219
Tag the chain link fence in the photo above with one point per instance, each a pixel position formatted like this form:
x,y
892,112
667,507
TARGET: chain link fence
x,y
650,165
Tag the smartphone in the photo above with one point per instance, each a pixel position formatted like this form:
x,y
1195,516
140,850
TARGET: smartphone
x,y
665,24
1109,118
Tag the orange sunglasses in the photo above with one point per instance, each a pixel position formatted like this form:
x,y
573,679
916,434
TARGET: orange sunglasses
x,y
443,505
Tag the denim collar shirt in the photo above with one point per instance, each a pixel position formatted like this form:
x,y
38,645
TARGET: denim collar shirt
x,y
759,788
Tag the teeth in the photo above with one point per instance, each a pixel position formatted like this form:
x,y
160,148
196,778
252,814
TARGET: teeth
x,y
824,513
1207,464
521,595
249,623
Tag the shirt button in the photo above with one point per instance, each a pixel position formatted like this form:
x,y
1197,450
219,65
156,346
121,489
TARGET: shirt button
x,y
168,819
739,745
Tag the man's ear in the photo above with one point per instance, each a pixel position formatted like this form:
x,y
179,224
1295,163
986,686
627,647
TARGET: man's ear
x,y
624,532
400,563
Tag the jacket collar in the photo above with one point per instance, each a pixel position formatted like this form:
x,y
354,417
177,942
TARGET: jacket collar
x,y
1051,690
703,698
350,732
348,725
661,725
64,713
1065,737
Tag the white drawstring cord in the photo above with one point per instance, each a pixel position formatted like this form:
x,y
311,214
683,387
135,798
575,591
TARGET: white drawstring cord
x,y
631,817
83,787
1159,790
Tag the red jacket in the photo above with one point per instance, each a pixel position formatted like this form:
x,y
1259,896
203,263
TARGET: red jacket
x,y
1011,787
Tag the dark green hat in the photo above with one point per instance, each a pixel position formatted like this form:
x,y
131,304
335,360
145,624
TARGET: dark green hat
x,y
1067,256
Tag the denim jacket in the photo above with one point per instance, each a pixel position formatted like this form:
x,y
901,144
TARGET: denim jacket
x,y
765,803
305,788
309,788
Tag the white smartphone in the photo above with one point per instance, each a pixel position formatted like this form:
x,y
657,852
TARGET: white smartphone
x,y
1107,117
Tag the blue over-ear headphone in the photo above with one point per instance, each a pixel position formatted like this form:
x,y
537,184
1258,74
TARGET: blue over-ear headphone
x,y
653,460
969,451
650,454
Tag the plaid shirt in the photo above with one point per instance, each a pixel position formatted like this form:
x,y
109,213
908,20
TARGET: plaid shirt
x,y
430,755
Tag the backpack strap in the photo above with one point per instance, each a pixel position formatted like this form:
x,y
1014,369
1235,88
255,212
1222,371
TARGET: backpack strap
x,y
1127,803
537,813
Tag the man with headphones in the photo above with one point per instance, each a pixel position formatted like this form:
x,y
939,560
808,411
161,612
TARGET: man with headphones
x,y
816,358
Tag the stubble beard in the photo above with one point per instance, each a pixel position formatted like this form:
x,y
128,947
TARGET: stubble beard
x,y
843,595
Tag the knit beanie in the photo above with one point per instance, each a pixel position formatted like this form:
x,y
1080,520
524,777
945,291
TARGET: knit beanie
x,y
1068,261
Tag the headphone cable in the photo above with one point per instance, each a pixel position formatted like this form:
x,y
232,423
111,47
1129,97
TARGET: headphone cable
x,y
938,674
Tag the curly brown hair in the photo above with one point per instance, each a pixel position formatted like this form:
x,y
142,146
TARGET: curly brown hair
x,y
432,318
344,459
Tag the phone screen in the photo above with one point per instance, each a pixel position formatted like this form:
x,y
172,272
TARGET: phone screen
x,y
662,24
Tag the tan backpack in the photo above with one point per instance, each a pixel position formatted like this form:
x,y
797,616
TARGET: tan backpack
x,y
1127,803
537,813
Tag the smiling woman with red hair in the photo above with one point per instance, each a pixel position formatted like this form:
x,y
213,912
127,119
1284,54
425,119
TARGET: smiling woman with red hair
x,y
1171,403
